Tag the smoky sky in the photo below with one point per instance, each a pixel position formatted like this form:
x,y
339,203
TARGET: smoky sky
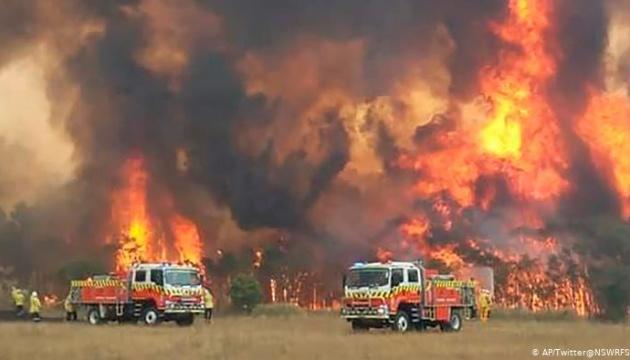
x,y
125,108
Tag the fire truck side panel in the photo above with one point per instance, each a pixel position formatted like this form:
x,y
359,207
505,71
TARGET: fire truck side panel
x,y
442,313
98,292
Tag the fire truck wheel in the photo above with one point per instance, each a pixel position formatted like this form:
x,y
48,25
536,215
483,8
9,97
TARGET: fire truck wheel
x,y
454,324
93,316
150,316
358,325
186,320
402,322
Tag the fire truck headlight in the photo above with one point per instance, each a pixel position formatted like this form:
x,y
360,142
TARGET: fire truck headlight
x,y
382,310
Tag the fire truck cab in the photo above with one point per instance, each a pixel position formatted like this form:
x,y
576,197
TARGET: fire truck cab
x,y
149,292
404,295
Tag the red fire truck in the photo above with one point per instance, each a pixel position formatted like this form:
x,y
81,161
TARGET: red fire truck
x,y
149,292
405,295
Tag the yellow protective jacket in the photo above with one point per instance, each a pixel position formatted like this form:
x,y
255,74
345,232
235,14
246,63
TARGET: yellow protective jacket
x,y
36,305
67,305
208,299
484,301
18,297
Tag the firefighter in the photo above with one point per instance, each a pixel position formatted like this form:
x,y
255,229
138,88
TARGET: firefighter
x,y
485,302
209,304
71,311
36,307
18,300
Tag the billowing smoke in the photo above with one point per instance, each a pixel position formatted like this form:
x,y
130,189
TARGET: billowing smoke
x,y
313,134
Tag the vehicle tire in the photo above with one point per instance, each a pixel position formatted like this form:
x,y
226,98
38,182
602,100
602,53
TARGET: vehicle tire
x,y
94,316
358,325
150,316
421,325
402,323
185,320
454,324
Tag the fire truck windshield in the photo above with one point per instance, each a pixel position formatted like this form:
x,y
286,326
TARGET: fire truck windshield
x,y
367,277
182,277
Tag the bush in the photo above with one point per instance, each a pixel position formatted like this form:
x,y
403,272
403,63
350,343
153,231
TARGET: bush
x,y
278,310
245,292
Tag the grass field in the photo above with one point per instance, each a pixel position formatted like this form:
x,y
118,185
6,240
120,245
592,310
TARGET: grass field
x,y
299,337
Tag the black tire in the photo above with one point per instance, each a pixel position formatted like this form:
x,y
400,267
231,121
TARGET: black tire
x,y
402,323
94,316
150,316
454,324
358,325
421,325
185,320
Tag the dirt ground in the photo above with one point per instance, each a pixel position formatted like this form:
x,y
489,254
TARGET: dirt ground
x,y
299,337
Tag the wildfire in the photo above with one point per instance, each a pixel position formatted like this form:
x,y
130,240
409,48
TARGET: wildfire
x,y
187,240
50,300
143,237
517,140
448,256
522,129
605,129
531,286
384,255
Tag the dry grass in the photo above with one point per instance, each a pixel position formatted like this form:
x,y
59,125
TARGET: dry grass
x,y
300,337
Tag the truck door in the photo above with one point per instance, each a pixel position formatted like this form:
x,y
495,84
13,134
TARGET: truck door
x,y
413,279
139,281
157,277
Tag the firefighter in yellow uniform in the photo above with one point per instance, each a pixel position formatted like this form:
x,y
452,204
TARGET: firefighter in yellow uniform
x,y
209,304
71,311
485,302
18,300
35,308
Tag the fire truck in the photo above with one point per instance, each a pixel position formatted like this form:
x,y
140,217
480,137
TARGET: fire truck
x,y
147,292
404,296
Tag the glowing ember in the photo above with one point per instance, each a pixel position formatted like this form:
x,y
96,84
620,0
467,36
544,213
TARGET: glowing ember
x,y
50,300
258,259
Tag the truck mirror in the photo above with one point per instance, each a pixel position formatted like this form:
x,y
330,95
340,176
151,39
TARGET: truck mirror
x,y
343,282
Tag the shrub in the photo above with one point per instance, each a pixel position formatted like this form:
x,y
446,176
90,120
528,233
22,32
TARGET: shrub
x,y
245,292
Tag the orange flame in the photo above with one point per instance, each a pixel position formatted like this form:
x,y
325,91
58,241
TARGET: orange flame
x,y
384,255
519,138
187,240
520,112
141,236
606,130
50,300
